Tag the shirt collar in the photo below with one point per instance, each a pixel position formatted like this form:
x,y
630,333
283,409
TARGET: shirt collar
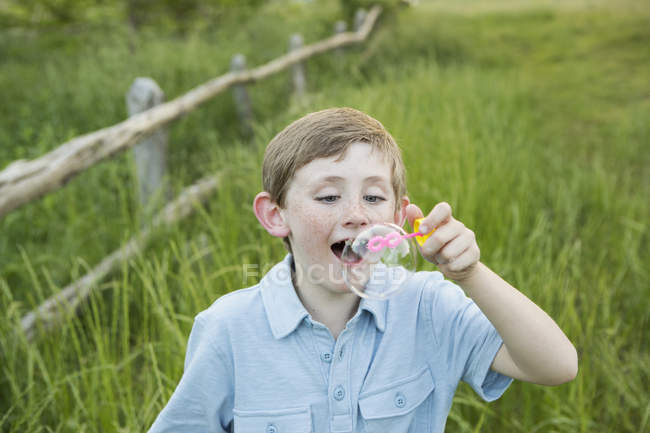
x,y
377,308
284,309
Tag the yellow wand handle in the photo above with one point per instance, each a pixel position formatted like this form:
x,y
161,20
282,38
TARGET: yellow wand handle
x,y
421,238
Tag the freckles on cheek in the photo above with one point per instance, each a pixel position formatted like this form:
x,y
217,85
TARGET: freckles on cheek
x,y
307,219
311,221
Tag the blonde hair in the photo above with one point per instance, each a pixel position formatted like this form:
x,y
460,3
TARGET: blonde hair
x,y
324,134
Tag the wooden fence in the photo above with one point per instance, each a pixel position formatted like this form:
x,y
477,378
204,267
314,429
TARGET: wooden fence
x,y
24,181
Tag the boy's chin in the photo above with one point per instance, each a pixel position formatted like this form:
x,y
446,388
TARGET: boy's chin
x,y
340,287
331,276
333,283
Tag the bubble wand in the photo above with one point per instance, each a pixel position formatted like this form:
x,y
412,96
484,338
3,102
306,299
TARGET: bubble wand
x,y
393,239
379,260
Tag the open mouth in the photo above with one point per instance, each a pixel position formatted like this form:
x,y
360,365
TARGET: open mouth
x,y
343,250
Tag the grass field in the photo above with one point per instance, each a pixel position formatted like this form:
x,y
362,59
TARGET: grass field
x,y
531,121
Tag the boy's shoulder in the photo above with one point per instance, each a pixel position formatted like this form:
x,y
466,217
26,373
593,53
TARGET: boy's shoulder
x,y
233,306
438,292
245,306
426,282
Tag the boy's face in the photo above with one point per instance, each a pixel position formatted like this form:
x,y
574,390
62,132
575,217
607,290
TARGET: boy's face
x,y
329,201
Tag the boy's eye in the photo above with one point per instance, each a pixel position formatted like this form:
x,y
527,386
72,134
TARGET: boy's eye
x,y
328,198
373,198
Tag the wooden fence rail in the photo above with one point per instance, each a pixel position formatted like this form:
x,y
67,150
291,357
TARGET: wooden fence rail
x,y
55,309
24,181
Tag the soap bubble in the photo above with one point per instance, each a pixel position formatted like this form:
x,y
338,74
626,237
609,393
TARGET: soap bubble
x,y
378,261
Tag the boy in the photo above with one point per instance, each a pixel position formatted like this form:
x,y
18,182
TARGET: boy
x,y
299,352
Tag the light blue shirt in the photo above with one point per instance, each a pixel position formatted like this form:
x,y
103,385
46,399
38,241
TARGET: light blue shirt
x,y
257,362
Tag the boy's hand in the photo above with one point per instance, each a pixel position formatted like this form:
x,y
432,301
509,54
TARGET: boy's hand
x,y
452,247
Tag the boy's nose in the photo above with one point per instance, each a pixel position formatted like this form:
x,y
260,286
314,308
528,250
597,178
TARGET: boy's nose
x,y
356,216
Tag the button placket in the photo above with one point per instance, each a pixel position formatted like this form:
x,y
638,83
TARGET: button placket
x,y
339,374
341,388
339,377
323,345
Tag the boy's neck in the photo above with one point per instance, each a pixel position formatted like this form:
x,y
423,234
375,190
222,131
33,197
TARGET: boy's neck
x,y
332,310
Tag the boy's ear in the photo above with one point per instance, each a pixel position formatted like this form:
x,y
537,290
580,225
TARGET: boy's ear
x,y
400,215
268,214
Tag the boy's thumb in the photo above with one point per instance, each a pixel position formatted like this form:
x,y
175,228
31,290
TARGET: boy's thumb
x,y
412,213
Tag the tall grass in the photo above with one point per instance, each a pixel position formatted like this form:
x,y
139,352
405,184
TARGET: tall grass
x,y
532,124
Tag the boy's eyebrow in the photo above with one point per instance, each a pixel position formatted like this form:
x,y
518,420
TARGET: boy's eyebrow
x,y
336,179
331,179
372,179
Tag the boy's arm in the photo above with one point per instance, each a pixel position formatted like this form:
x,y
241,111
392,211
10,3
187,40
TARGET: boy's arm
x,y
535,349
203,400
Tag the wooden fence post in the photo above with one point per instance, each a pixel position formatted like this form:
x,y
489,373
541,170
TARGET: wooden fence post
x,y
240,95
150,153
339,27
359,18
297,70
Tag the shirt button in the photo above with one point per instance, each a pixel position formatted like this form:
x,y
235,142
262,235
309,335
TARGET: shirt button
x,y
326,357
271,429
339,393
400,400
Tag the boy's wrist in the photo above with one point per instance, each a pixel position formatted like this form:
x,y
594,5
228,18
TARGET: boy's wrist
x,y
468,279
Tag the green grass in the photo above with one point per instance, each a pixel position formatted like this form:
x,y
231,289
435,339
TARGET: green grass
x,y
532,123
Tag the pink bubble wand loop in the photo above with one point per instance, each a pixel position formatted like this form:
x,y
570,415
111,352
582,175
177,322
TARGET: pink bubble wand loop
x,y
393,239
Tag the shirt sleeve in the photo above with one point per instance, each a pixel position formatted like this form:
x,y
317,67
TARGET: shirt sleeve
x,y
467,341
203,399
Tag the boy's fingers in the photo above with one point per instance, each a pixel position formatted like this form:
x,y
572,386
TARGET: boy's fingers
x,y
468,258
457,246
412,213
439,214
440,238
